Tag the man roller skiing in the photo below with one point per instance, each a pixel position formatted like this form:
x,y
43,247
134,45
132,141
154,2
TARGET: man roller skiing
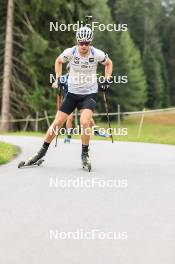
x,y
82,90
60,97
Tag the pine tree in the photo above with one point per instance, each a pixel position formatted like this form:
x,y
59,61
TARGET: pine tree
x,y
167,29
132,96
5,110
143,18
154,64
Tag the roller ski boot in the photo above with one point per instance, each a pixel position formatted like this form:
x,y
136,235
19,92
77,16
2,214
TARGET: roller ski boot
x,y
36,160
67,139
86,163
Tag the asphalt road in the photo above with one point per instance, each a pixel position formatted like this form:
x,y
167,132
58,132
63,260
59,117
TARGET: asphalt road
x,y
123,212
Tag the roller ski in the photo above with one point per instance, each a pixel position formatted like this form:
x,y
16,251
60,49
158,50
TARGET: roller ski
x,y
101,134
67,139
23,164
36,160
86,163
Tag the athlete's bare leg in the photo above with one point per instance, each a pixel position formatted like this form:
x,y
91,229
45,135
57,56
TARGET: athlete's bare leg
x,y
85,122
69,121
60,118
92,122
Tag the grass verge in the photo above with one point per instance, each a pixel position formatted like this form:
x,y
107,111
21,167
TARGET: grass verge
x,y
7,152
157,128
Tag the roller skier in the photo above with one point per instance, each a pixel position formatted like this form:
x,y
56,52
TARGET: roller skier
x,y
82,94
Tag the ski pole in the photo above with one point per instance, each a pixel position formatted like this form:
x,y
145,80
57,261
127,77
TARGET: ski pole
x,y
107,113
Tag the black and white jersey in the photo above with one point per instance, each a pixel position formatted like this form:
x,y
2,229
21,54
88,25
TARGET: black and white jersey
x,y
83,70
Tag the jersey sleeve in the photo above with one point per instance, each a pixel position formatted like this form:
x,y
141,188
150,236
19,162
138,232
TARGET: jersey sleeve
x,y
101,56
66,55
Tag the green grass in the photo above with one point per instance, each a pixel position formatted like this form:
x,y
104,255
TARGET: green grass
x,y
156,129
152,132
7,152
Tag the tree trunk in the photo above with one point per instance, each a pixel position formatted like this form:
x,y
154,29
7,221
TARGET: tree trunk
x,y
5,110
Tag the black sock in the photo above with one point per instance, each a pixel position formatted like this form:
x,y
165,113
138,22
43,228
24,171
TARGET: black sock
x,y
46,145
85,148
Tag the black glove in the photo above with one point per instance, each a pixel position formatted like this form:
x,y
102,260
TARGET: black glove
x,y
105,86
57,85
60,82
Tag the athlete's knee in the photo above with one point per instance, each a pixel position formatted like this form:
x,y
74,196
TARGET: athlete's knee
x,y
55,126
70,118
85,122
58,122
59,119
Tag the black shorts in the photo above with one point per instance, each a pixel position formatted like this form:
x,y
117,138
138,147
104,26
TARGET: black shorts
x,y
80,101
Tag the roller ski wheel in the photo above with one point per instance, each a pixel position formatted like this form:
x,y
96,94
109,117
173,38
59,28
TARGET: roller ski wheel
x,y
39,162
22,164
86,164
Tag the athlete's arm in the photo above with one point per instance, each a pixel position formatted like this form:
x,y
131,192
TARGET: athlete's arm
x,y
58,67
106,61
108,68
58,71
64,57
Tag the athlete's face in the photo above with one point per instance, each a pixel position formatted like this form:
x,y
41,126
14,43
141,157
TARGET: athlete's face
x,y
84,46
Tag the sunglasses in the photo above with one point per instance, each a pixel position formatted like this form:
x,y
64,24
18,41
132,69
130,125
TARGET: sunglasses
x,y
84,43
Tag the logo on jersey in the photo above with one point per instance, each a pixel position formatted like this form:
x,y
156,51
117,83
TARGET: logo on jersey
x,y
66,58
77,60
91,59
